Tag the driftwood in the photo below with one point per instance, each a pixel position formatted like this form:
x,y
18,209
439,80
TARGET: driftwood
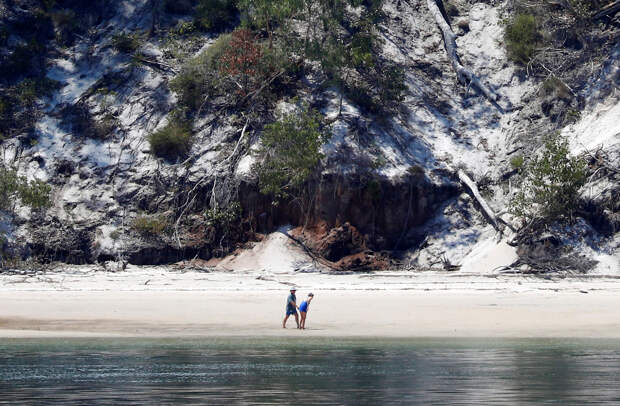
x,y
464,75
156,64
552,262
316,258
475,193
608,11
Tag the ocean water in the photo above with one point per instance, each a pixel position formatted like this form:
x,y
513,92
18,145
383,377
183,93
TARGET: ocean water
x,y
251,371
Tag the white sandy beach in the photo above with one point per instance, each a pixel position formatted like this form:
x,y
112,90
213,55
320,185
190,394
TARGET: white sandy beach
x,y
161,302
245,295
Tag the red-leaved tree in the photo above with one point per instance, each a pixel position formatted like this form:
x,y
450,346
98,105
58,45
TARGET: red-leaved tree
x,y
241,61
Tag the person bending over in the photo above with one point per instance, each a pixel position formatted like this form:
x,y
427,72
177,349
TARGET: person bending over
x,y
303,310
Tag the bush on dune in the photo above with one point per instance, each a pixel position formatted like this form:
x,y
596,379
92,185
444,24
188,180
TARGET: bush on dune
x,y
199,76
551,182
172,141
521,37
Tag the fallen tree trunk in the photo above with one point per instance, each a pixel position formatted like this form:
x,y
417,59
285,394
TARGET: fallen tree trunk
x,y
484,206
464,75
607,11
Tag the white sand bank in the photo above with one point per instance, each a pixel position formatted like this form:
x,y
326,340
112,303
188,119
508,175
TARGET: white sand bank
x,y
160,302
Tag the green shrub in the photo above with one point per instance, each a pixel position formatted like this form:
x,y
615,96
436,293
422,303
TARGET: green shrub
x,y
115,235
381,92
213,15
199,75
183,28
150,225
19,107
572,115
223,217
34,194
28,91
172,141
521,37
391,85
13,188
291,150
551,182
517,162
126,43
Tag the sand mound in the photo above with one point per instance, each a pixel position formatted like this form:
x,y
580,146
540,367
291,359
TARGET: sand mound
x,y
276,253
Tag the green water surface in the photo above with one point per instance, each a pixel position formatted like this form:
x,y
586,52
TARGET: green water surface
x,y
309,371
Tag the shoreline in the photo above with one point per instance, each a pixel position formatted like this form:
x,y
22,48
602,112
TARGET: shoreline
x,y
162,302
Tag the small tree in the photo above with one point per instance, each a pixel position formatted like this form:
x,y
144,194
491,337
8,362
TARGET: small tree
x,y
14,188
551,182
291,152
241,61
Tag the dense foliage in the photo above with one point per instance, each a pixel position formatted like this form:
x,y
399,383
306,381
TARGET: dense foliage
x,y
290,151
277,38
14,188
551,182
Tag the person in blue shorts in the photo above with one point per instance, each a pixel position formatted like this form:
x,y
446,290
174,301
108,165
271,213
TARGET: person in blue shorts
x,y
303,310
291,308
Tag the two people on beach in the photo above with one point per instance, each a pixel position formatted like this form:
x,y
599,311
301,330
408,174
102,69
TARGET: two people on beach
x,y
291,309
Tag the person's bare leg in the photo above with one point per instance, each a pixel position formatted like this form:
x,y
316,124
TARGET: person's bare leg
x,y
303,320
297,319
284,322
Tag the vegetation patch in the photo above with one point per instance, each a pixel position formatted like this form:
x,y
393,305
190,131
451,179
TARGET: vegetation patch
x,y
521,37
22,60
517,162
19,105
551,182
224,219
290,148
173,141
127,43
198,78
150,225
14,189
